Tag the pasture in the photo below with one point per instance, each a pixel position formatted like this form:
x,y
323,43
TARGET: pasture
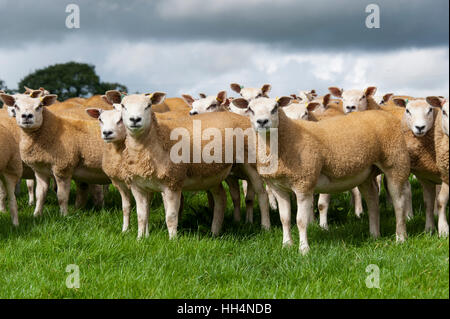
x,y
243,262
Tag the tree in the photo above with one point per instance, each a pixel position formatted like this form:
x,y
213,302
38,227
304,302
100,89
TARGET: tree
x,y
3,85
68,80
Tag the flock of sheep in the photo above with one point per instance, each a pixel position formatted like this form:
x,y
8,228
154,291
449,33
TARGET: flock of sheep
x,y
342,141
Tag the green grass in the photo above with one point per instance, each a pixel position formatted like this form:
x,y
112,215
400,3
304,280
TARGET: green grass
x,y
244,262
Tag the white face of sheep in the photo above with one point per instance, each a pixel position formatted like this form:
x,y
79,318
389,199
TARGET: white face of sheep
x,y
111,124
206,103
136,109
263,112
419,115
442,103
353,100
27,109
297,111
445,117
251,93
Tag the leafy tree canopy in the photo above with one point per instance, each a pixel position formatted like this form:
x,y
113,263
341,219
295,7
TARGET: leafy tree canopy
x,y
69,80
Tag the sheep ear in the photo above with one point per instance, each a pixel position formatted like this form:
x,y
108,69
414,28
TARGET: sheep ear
x,y
326,100
202,95
114,96
312,106
157,97
235,87
95,113
240,103
188,99
336,91
313,93
284,101
266,89
9,100
370,91
400,102
387,97
27,90
48,100
104,98
221,97
435,101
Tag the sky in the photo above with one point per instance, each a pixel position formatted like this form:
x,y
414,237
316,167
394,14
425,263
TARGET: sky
x,y
201,46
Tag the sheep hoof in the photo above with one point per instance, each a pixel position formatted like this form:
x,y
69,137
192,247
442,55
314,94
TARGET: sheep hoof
x,y
288,244
304,249
429,228
443,231
401,238
324,226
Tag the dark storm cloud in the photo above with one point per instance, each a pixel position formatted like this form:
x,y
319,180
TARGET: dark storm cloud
x,y
307,25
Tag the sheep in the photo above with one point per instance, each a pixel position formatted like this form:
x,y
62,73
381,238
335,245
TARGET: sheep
x,y
353,100
418,127
221,103
52,145
248,94
441,142
150,167
10,171
113,133
311,159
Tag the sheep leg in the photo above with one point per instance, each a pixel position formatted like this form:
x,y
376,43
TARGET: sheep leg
x,y
357,201
249,203
97,194
244,187
172,201
442,204
272,200
81,194
10,183
210,200
370,192
429,196
30,188
42,183
400,198
235,193
263,200
379,180
17,188
436,207
63,193
219,209
2,197
305,208
284,207
125,195
323,204
142,205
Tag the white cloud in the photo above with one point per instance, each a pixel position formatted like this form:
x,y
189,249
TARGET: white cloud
x,y
206,66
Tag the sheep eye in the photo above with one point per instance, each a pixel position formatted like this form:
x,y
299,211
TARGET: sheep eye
x,y
445,113
123,106
148,106
100,120
211,106
408,112
430,110
251,111
274,110
120,121
16,107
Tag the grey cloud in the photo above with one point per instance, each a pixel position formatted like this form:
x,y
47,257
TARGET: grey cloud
x,y
296,24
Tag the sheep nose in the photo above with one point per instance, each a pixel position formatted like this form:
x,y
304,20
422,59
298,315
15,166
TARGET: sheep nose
x,y
135,119
107,133
262,122
351,108
193,112
420,128
27,116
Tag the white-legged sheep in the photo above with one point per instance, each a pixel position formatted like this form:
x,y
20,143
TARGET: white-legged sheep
x,y
311,159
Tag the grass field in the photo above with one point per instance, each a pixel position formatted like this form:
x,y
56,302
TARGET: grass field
x,y
244,262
